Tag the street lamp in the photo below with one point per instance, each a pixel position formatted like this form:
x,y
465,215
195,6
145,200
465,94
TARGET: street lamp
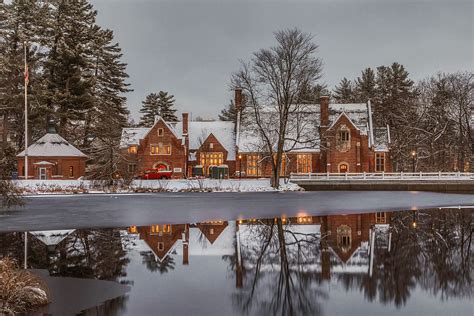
x,y
413,155
240,167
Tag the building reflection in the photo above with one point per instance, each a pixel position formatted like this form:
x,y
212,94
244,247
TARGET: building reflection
x,y
287,260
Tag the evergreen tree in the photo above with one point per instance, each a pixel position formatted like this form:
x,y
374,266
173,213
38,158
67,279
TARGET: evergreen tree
x,y
312,94
343,92
394,93
165,104
365,86
150,109
69,72
229,113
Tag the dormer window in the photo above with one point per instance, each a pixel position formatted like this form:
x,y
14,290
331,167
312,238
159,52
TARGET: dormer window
x,y
132,149
161,132
343,138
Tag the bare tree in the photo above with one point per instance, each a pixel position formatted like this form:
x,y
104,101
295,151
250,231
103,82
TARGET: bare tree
x,y
274,81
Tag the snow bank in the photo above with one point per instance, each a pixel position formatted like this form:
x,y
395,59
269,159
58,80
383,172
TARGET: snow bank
x,y
140,186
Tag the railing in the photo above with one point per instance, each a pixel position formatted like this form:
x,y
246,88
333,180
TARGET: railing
x,y
379,176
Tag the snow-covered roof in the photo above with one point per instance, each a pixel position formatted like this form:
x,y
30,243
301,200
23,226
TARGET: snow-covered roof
x,y
198,132
52,145
381,139
52,237
200,246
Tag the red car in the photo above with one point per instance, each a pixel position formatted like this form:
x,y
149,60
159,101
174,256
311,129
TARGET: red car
x,y
157,174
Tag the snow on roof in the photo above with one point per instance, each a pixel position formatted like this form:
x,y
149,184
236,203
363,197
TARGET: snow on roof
x,y
198,132
132,136
381,139
52,145
52,237
200,246
44,163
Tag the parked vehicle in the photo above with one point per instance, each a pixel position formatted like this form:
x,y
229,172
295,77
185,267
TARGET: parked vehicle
x,y
157,174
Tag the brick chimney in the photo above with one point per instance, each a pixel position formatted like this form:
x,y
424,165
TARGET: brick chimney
x,y
238,99
324,109
185,123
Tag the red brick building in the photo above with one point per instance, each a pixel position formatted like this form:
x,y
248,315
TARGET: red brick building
x,y
179,146
52,157
334,138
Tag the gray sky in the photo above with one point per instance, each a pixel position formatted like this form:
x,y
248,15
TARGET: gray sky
x,y
190,48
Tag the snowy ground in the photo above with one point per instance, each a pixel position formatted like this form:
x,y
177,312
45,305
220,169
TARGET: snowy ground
x,y
144,186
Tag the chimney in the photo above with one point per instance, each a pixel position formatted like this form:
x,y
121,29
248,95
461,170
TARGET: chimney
x,y
185,238
51,127
324,110
238,99
185,123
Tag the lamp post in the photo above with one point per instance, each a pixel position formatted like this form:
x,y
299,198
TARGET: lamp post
x,y
413,155
240,167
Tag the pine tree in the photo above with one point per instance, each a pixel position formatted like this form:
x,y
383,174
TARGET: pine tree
x,y
312,94
69,73
365,87
229,113
165,104
150,109
343,92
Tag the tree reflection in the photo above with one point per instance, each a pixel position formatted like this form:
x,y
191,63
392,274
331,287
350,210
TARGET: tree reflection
x,y
278,249
153,264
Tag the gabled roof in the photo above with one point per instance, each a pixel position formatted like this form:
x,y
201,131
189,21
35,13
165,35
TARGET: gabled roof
x,y
52,237
339,117
168,125
52,145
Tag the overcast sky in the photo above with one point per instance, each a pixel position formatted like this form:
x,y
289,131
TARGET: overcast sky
x,y
190,48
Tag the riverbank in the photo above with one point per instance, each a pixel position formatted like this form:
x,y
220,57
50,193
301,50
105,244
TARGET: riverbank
x,y
34,187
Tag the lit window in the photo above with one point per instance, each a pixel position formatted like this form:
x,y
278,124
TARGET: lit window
x,y
343,168
133,229
71,171
132,149
161,132
160,149
253,165
380,218
379,162
210,159
343,140
344,237
303,163
211,231
211,145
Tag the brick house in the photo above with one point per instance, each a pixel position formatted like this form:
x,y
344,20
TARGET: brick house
x,y
52,157
334,138
179,146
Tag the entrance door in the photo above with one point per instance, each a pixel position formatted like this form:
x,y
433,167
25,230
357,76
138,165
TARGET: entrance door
x,y
343,168
42,174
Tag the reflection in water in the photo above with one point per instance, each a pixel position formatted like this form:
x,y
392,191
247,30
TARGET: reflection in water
x,y
288,266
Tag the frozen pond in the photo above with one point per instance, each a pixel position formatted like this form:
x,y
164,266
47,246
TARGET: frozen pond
x,y
412,262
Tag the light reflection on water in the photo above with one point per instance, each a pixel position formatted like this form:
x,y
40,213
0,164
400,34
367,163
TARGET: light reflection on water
x,y
416,262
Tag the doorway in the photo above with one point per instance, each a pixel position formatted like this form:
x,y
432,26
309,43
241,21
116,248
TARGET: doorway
x,y
343,168
42,174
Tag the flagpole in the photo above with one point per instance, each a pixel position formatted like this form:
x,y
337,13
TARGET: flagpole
x,y
26,114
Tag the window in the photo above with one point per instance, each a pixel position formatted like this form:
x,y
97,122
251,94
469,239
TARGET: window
x,y
160,149
161,132
211,145
343,139
344,237
132,149
211,231
379,162
252,165
133,229
303,163
132,167
380,218
161,246
71,171
211,159
166,228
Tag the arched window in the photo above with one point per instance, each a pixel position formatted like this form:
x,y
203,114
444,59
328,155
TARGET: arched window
x,y
344,240
343,167
343,138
